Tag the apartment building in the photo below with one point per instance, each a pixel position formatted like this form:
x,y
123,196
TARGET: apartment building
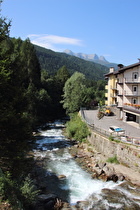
x,y
125,93
111,88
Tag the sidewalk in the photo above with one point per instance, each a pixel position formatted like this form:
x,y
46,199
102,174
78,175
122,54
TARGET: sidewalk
x,y
131,128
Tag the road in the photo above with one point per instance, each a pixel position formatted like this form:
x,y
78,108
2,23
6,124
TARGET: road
x,y
131,128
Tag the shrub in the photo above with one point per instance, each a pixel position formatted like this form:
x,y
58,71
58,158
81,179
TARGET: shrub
x,y
113,160
8,189
28,191
18,195
111,138
100,114
76,128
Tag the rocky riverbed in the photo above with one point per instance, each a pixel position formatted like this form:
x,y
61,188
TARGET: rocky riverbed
x,y
96,164
57,174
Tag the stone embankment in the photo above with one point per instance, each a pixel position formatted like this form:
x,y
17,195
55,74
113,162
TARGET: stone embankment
x,y
90,160
96,163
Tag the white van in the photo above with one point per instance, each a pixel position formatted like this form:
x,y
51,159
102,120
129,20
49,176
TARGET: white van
x,y
116,130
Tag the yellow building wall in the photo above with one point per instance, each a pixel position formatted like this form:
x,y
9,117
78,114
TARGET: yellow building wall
x,y
111,94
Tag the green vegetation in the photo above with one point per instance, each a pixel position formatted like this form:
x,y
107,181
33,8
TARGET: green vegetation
x,y
77,129
100,114
79,92
112,138
19,194
136,164
31,92
113,160
74,93
51,61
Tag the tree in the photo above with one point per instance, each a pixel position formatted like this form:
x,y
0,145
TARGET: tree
x,y
62,75
4,26
74,93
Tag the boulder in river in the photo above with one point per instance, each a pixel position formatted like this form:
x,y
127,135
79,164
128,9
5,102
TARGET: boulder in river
x,y
49,202
61,176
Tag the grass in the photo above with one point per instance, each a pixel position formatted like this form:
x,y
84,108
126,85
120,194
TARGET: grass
x,y
113,160
111,138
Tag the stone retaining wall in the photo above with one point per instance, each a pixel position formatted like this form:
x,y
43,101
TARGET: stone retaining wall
x,y
127,155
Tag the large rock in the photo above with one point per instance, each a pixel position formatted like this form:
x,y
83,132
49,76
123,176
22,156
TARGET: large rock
x,y
62,177
48,202
108,171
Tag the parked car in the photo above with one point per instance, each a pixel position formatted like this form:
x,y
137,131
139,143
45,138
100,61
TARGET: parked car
x,y
116,130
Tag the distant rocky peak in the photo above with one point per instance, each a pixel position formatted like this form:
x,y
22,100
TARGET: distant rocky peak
x,y
102,58
90,57
68,52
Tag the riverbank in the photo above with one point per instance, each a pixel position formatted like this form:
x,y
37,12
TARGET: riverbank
x,y
96,164
64,184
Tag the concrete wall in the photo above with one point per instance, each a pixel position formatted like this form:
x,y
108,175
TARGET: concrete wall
x,y
127,155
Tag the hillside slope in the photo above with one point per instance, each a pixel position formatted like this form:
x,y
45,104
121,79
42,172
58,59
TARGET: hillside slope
x,y
51,61
93,57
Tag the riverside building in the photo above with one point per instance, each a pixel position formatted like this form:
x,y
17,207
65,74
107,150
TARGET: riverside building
x,y
123,92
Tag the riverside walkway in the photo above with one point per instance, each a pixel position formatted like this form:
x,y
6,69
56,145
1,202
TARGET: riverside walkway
x,y
131,128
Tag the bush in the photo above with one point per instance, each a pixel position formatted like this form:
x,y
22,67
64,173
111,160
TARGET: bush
x,y
111,138
18,195
113,160
77,129
8,191
28,192
100,114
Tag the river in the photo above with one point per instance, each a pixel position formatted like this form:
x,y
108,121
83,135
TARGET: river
x,y
76,184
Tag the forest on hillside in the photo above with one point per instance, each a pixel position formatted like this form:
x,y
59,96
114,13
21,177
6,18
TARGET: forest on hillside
x,y
51,61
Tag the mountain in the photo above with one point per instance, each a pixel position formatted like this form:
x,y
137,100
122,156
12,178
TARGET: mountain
x,y
51,61
92,57
89,57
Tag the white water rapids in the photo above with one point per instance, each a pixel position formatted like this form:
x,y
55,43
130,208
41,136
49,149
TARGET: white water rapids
x,y
78,184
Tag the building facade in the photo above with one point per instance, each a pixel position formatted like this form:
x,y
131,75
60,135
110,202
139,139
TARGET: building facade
x,y
123,90
111,88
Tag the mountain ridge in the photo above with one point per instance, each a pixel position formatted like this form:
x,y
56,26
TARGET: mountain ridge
x,y
51,61
90,57
93,58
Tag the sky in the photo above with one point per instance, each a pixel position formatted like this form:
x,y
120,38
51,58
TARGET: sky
x,y
109,28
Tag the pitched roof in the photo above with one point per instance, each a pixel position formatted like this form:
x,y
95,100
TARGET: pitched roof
x,y
120,70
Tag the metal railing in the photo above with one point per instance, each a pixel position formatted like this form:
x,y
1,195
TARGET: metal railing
x,y
132,80
107,134
131,93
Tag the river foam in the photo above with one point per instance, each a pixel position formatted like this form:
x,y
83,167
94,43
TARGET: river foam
x,y
78,183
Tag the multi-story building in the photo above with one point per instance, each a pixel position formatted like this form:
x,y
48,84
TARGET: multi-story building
x,y
127,93
111,88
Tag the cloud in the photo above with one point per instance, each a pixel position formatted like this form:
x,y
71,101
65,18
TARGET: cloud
x,y
52,41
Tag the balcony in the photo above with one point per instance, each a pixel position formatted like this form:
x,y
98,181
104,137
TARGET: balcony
x,y
113,95
106,94
106,87
120,81
132,94
132,107
119,104
113,87
120,93
132,81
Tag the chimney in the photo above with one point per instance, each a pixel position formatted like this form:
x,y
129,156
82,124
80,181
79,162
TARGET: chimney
x,y
111,69
120,66
139,60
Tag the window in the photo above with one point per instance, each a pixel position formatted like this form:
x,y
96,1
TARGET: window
x,y
134,101
135,75
135,90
